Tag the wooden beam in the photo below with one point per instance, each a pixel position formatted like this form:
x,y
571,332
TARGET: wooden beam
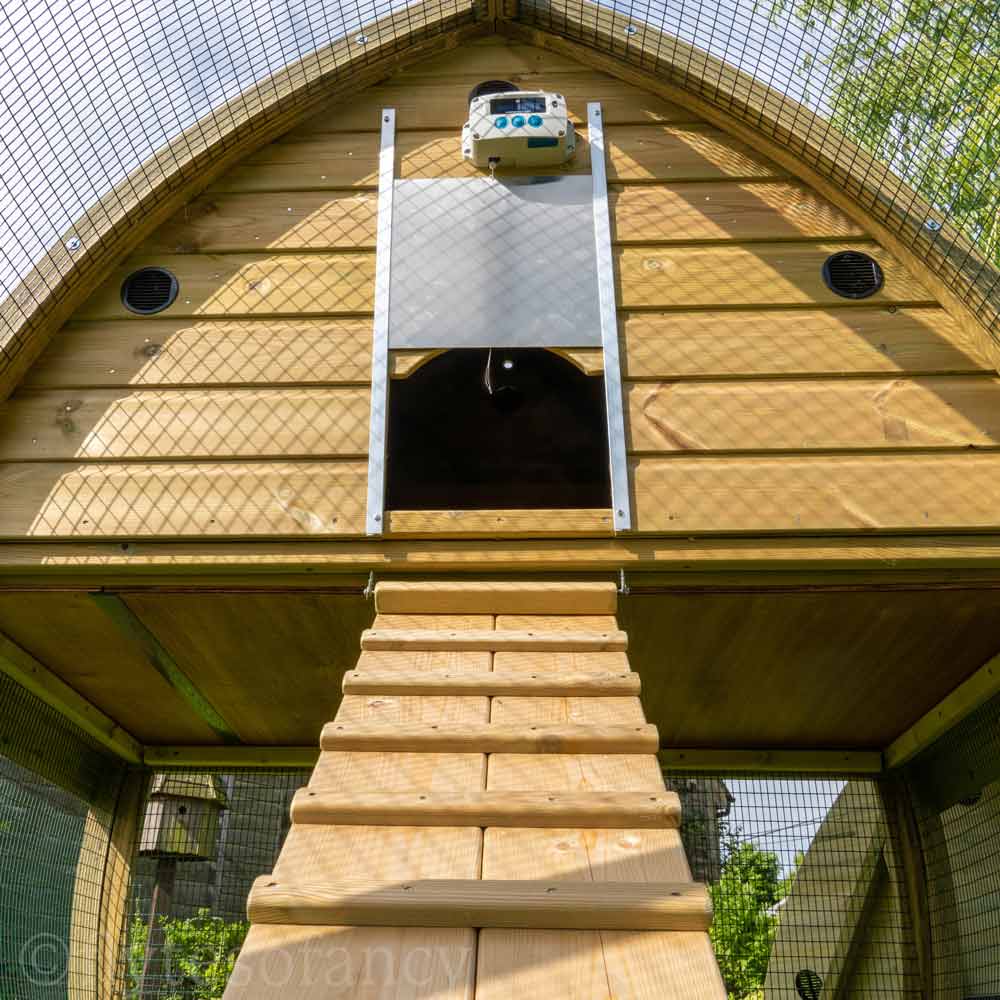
x,y
490,738
164,664
525,810
483,639
835,762
500,597
233,757
493,682
674,906
978,689
23,668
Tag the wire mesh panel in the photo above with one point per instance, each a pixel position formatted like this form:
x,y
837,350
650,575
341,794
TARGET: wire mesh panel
x,y
205,837
955,784
805,882
58,798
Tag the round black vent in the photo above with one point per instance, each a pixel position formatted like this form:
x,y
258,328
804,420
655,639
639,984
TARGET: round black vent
x,y
808,984
149,290
490,87
852,274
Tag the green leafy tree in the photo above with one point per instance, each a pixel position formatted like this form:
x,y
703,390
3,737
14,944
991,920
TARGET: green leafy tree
x,y
743,925
917,83
200,954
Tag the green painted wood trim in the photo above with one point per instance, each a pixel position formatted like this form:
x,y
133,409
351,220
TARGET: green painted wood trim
x,y
35,677
972,693
229,756
130,623
838,762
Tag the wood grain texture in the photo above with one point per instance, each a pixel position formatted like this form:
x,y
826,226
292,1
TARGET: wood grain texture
x,y
601,810
491,738
291,221
429,101
648,277
550,904
723,344
452,661
724,211
757,416
443,710
162,352
923,492
760,342
496,597
421,682
185,424
762,275
813,415
566,639
635,153
355,963
490,523
440,773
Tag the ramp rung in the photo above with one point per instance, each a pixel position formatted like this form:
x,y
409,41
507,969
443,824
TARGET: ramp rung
x,y
493,682
500,598
470,640
528,810
489,738
550,905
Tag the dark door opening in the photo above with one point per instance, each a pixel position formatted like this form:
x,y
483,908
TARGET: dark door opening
x,y
497,429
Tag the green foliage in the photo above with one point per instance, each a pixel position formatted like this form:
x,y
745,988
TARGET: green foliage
x,y
743,928
917,84
199,956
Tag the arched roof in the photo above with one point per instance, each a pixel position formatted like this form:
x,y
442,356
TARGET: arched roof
x,y
116,114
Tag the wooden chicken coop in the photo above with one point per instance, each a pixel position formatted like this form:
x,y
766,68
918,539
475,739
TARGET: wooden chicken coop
x,y
525,516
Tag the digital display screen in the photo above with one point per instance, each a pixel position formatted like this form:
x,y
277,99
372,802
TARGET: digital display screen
x,y
511,105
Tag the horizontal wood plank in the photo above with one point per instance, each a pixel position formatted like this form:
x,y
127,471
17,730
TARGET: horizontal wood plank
x,y
635,153
667,906
526,810
473,639
495,597
758,342
762,274
422,682
161,352
490,738
293,221
553,523
695,416
724,212
726,343
185,424
441,102
822,414
678,495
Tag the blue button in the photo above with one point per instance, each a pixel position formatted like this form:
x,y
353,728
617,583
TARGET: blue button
x,y
535,121
517,121
501,122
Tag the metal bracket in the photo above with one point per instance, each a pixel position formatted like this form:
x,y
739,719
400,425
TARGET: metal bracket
x,y
623,587
374,517
621,508
369,591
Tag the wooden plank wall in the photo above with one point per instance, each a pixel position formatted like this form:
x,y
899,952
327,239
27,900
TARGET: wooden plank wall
x,y
757,400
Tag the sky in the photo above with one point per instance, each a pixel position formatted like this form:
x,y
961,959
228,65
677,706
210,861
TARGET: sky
x,y
89,89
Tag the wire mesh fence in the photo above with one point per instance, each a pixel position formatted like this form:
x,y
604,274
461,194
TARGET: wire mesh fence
x,y
59,795
114,104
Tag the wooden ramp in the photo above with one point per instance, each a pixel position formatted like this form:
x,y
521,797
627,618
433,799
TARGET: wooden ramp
x,y
487,819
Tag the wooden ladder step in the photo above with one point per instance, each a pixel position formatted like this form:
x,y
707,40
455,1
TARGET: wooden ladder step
x,y
577,684
500,598
471,640
528,810
488,737
535,904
